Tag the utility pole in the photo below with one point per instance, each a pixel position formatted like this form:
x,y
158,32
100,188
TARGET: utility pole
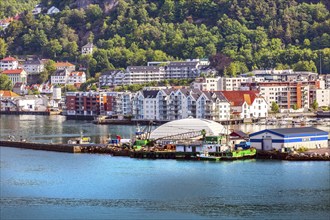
x,y
320,62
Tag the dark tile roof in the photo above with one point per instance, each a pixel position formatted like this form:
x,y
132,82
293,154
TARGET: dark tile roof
x,y
239,133
110,72
33,62
60,72
150,93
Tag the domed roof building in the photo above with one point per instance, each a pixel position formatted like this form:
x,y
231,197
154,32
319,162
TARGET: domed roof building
x,y
188,125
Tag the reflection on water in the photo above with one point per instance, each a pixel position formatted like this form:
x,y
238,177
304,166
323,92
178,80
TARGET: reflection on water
x,y
57,129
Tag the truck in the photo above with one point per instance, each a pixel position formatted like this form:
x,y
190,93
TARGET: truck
x,y
243,145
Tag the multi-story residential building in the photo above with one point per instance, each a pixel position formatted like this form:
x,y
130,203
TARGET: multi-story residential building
x,y
119,103
76,78
85,103
60,77
8,63
87,49
143,74
33,66
99,103
145,105
217,107
182,70
65,65
207,84
326,79
246,104
231,84
286,94
16,75
112,78
321,96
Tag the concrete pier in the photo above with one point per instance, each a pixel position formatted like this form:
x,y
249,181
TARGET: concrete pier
x,y
66,148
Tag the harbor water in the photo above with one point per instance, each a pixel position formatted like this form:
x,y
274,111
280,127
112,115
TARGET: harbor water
x,y
51,185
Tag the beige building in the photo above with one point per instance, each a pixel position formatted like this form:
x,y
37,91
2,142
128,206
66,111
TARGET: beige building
x,y
17,75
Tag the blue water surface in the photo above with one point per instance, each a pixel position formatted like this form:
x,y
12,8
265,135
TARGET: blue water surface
x,y
50,185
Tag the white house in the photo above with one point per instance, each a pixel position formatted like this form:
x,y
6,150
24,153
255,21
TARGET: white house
x,y
294,138
246,104
76,78
60,77
8,63
87,49
33,66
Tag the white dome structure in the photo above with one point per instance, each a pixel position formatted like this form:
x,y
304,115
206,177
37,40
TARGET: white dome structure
x,y
188,125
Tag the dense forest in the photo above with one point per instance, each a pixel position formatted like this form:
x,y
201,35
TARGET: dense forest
x,y
237,36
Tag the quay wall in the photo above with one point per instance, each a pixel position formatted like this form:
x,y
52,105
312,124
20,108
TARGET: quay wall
x,y
42,146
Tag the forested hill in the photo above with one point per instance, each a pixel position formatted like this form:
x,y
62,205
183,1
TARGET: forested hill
x,y
249,34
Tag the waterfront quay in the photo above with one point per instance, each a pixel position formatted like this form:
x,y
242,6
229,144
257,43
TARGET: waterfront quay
x,y
313,155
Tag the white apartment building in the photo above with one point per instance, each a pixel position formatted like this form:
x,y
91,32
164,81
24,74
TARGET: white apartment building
x,y
207,84
8,63
182,70
232,84
173,104
145,105
112,78
143,74
217,106
322,97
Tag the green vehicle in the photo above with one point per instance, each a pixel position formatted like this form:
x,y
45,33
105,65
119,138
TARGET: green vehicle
x,y
140,143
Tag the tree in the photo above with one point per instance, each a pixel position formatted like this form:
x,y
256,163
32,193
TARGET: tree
x,y
54,47
93,12
275,107
3,48
305,66
220,62
5,82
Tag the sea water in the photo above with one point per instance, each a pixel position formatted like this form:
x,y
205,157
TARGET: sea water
x,y
51,185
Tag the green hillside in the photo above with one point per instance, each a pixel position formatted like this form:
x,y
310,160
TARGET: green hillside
x,y
237,35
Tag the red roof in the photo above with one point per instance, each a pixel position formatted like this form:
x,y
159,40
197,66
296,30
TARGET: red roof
x,y
63,64
16,71
9,59
237,98
77,73
7,93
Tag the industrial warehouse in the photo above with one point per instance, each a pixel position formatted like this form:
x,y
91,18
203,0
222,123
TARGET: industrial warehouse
x,y
294,138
